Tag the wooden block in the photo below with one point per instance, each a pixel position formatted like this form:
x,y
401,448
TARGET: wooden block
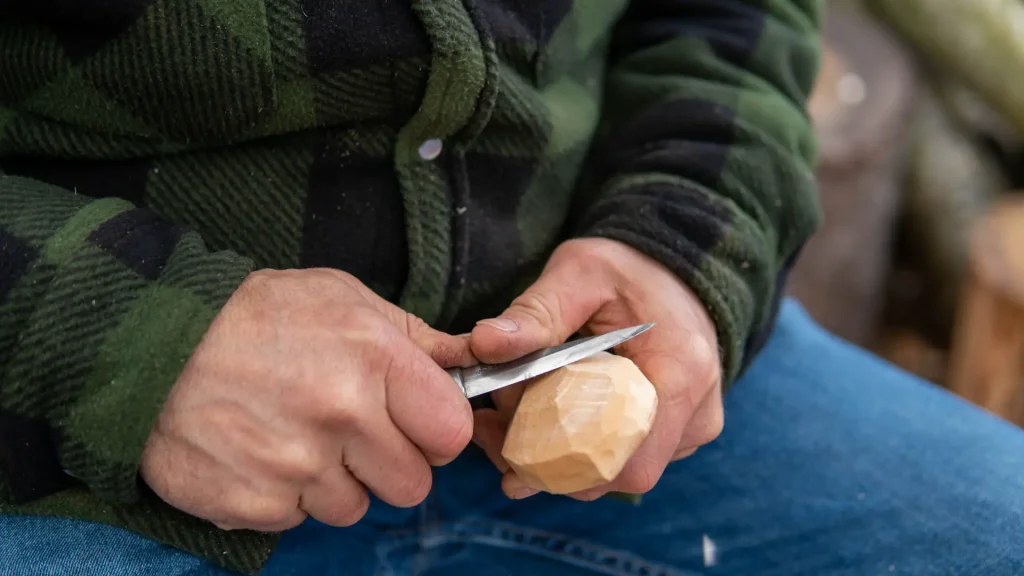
x,y
576,427
987,359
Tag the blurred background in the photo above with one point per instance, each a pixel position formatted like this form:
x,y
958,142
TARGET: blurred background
x,y
919,108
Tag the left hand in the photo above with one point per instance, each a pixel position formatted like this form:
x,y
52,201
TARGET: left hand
x,y
595,285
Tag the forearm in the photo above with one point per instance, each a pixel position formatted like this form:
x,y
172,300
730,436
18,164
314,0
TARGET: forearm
x,y
705,158
101,306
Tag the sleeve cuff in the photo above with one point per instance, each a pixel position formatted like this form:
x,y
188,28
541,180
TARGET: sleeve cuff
x,y
722,255
138,365
101,315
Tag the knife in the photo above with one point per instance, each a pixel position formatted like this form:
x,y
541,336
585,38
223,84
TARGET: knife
x,y
485,378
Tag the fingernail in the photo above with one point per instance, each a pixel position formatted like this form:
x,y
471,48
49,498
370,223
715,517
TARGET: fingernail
x,y
503,324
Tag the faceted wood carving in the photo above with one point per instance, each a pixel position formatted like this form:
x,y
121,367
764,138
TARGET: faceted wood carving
x,y
576,427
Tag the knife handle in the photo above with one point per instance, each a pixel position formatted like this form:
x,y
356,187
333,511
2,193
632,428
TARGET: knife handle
x,y
576,427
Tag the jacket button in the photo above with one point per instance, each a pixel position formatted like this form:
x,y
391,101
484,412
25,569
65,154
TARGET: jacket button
x,y
431,149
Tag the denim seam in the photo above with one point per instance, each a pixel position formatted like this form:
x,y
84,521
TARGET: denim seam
x,y
552,545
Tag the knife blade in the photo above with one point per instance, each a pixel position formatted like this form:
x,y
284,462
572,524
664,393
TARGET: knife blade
x,y
484,378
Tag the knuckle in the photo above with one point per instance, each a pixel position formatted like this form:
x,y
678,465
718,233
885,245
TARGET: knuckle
x,y
350,510
342,407
258,280
354,512
456,432
267,283
591,258
320,399
709,426
703,361
257,512
686,453
286,523
542,307
715,426
414,489
413,324
641,478
441,350
368,338
300,460
580,251
678,399
710,373
441,347
703,378
445,352
362,322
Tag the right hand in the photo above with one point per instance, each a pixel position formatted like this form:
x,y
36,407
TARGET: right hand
x,y
307,390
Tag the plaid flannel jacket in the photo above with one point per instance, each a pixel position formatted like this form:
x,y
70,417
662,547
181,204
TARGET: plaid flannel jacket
x,y
153,152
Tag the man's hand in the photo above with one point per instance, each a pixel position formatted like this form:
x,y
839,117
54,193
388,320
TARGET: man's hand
x,y
307,390
594,286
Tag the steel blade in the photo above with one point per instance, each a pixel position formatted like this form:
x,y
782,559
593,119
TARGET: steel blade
x,y
486,378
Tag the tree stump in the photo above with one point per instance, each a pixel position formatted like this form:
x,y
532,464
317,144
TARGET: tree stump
x,y
860,108
987,358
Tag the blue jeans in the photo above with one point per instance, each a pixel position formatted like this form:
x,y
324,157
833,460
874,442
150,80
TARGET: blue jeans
x,y
831,462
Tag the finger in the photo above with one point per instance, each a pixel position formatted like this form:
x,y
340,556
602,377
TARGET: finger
x,y
683,453
446,350
387,463
558,304
515,488
675,406
290,520
592,494
426,404
705,425
489,434
337,499
264,507
201,488
681,360
506,400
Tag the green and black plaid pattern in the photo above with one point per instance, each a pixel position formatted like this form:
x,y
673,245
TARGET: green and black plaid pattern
x,y
153,152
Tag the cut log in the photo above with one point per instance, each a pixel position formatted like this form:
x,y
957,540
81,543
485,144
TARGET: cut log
x,y
987,363
860,107
951,182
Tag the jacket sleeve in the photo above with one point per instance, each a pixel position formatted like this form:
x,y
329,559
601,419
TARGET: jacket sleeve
x,y
705,154
101,304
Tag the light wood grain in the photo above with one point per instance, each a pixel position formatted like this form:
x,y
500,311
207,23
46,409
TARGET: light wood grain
x,y
575,428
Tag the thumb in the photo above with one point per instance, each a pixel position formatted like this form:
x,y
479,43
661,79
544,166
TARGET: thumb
x,y
557,305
